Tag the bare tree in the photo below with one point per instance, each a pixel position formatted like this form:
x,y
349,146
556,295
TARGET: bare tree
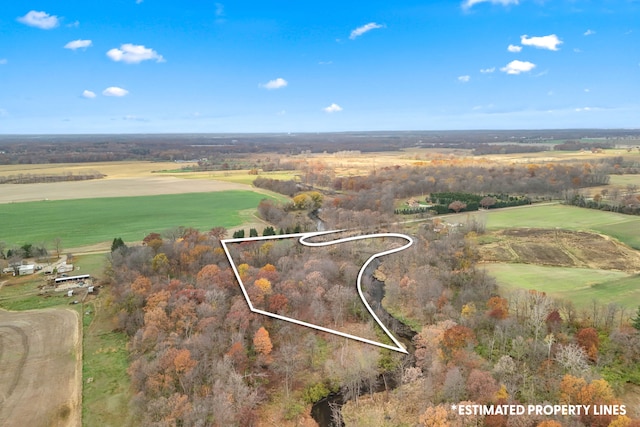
x,y
57,245
572,358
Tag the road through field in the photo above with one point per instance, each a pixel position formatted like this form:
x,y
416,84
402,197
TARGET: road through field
x,y
115,187
40,368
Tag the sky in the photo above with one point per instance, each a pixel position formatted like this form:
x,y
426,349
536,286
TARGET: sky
x,y
159,66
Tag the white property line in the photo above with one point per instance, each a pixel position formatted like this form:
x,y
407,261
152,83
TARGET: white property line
x,y
303,241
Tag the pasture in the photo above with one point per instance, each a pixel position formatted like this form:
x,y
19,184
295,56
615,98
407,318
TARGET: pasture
x,y
625,228
83,222
579,285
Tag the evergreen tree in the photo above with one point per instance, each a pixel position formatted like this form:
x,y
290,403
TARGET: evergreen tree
x,y
253,232
117,244
636,322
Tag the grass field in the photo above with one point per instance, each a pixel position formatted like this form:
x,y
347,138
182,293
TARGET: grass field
x,y
238,177
625,228
579,285
88,221
106,391
624,180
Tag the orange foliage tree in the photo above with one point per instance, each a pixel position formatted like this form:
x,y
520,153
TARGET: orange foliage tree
x,y
262,342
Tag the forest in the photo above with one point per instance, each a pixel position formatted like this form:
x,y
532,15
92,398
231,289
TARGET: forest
x,y
200,357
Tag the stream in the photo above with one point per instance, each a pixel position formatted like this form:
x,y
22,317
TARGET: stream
x,y
325,411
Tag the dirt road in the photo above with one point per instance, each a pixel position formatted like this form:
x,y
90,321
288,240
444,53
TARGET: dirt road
x,y
40,368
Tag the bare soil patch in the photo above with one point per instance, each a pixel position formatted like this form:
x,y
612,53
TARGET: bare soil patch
x,y
116,187
40,379
560,248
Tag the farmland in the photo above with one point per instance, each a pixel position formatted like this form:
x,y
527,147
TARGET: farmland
x,y
562,250
579,285
40,363
87,221
625,228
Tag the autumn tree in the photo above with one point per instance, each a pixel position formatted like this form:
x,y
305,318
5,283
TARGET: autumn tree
x,y
498,307
457,206
262,342
456,338
487,202
549,423
263,285
587,338
481,386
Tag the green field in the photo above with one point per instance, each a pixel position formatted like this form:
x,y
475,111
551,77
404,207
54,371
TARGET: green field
x,y
88,221
106,393
625,228
579,285
624,180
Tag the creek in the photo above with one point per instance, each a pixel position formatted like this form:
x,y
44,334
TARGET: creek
x,y
326,412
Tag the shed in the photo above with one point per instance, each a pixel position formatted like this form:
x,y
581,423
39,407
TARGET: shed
x,y
23,270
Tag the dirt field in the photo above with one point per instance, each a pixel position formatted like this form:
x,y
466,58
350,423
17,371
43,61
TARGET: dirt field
x,y
112,187
560,248
41,375
111,169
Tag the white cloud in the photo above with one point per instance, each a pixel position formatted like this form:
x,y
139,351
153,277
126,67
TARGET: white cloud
x,y
513,48
579,110
487,70
88,94
464,79
467,4
517,67
74,24
134,118
115,91
133,54
589,32
139,1
365,28
3,61
550,42
78,44
219,9
40,20
333,108
275,84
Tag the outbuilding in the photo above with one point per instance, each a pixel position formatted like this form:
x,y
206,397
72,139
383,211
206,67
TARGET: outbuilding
x,y
23,270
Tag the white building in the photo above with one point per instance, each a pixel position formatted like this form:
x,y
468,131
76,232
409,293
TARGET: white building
x,y
23,270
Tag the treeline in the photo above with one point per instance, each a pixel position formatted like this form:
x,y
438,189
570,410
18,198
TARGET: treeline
x,y
28,178
378,191
447,202
629,204
508,149
286,187
577,145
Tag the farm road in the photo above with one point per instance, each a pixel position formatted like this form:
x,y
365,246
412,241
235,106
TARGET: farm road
x,y
40,368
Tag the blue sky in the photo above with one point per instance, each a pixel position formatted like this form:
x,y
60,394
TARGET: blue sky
x,y
156,66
